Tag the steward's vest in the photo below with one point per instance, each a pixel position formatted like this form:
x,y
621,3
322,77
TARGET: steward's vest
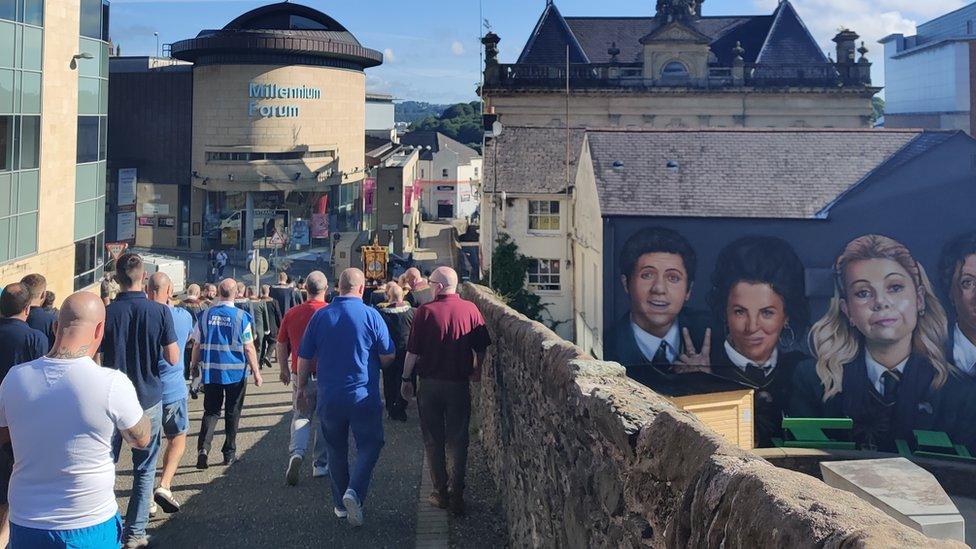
x,y
222,357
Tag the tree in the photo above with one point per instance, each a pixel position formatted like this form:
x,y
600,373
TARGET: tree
x,y
509,270
877,108
461,122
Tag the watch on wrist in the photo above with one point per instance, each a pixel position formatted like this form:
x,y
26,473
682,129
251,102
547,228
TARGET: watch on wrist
x,y
406,379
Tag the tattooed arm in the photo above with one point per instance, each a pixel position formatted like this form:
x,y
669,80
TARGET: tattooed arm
x,y
139,435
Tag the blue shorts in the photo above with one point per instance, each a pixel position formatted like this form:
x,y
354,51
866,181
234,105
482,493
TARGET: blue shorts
x,y
176,421
107,535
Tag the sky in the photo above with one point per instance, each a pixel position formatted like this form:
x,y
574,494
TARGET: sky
x,y
431,47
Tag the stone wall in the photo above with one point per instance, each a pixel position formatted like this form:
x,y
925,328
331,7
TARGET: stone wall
x,y
584,457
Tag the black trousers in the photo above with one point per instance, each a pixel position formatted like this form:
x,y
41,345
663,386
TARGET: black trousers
x,y
392,377
445,413
231,399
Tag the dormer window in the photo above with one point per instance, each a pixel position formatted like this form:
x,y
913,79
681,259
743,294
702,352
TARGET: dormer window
x,y
674,70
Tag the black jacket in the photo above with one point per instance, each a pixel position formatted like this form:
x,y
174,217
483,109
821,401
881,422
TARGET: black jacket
x,y
622,347
951,409
771,398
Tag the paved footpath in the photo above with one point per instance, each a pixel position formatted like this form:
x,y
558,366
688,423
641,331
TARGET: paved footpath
x,y
249,505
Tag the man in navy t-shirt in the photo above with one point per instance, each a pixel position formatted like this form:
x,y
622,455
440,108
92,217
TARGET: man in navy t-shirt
x,y
346,344
39,318
138,334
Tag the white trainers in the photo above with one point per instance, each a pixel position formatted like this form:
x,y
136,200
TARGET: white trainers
x,y
354,508
294,469
340,513
165,499
320,471
153,508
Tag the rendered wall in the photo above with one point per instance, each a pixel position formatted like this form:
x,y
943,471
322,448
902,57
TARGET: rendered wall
x,y
584,457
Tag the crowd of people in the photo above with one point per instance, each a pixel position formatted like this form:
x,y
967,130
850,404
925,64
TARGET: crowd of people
x,y
79,381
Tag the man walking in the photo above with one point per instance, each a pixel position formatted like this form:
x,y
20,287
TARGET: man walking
x,y
289,338
221,263
447,345
138,335
38,318
346,344
223,347
19,343
286,295
176,421
61,412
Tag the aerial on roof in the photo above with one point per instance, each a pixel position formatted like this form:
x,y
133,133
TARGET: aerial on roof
x,y
282,32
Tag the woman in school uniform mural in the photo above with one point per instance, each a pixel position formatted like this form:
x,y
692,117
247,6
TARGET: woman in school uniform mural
x,y
879,352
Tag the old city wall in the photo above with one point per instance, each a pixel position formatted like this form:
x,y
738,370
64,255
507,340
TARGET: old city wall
x,y
583,457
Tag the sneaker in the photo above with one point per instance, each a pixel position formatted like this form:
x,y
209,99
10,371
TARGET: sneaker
x,y
229,459
136,543
153,509
202,460
457,504
437,499
319,471
341,513
164,497
293,470
354,508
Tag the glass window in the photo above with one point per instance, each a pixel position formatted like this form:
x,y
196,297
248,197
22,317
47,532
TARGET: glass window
x,y
88,95
105,14
5,239
26,234
30,142
544,274
6,143
6,90
103,97
6,181
8,11
86,182
88,259
674,69
90,67
87,139
30,90
33,12
27,192
85,219
444,172
102,137
7,42
543,215
32,48
91,18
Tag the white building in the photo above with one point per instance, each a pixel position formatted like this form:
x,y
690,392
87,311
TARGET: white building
x,y
930,78
450,175
380,116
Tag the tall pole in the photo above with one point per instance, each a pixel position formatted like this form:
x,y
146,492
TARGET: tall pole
x,y
156,34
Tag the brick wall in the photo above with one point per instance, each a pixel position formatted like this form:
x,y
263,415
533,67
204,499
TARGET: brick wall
x,y
583,457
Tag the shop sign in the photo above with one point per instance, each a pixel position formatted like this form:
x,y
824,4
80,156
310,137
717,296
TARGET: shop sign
x,y
257,93
147,221
125,227
127,186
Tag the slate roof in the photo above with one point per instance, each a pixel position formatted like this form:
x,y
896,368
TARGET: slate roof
x,y
531,160
777,39
751,173
437,141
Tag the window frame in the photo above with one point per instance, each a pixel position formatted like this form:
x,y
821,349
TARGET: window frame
x,y
549,281
548,214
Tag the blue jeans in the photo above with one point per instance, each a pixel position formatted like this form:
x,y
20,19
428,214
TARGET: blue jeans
x,y
365,419
107,535
143,476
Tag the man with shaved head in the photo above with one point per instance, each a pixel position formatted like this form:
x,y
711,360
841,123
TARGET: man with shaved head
x,y
223,350
446,347
60,413
421,292
176,420
138,335
346,344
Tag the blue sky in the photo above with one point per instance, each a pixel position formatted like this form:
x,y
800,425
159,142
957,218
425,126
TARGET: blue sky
x,y
432,49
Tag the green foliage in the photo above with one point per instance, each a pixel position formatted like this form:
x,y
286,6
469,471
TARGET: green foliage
x,y
461,122
877,108
415,111
509,270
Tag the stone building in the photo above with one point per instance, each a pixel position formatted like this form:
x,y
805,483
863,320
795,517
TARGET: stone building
x,y
816,189
450,175
679,69
53,106
930,78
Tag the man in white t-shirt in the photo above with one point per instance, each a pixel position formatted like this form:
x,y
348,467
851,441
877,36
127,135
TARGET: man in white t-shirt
x,y
60,413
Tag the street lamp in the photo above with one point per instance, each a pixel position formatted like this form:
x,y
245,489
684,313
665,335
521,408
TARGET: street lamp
x,y
77,56
156,34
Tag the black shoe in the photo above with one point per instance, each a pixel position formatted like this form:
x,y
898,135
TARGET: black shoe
x,y
202,461
229,459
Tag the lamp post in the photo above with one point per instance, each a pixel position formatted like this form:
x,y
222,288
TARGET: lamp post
x,y
156,34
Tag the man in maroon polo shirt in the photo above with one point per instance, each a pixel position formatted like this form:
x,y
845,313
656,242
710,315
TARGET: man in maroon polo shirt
x,y
447,346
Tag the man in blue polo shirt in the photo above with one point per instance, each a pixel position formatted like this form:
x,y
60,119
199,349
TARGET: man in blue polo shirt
x,y
138,334
349,343
223,347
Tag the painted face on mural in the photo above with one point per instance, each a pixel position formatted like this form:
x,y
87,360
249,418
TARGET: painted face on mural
x,y
963,295
755,315
881,300
658,289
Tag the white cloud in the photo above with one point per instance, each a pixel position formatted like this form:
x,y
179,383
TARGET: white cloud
x,y
457,48
388,56
872,19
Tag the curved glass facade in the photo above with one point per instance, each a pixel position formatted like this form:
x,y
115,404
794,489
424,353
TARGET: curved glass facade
x,y
21,44
90,174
